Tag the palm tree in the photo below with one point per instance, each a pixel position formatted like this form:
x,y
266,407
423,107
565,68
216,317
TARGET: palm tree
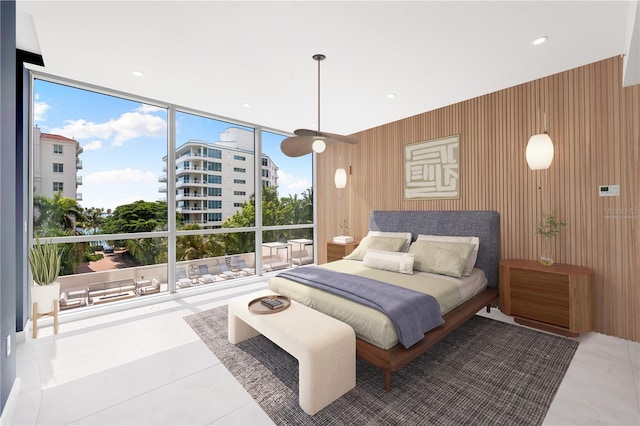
x,y
93,219
56,213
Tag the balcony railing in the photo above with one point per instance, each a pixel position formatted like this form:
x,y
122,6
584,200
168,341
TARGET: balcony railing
x,y
78,180
78,196
162,188
84,290
78,164
185,196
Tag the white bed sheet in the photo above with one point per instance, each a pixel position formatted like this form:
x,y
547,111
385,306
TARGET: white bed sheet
x,y
369,324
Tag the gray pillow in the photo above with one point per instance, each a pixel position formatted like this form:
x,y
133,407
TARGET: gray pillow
x,y
379,243
439,257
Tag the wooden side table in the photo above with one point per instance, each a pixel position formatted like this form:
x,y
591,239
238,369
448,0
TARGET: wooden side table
x,y
336,251
557,298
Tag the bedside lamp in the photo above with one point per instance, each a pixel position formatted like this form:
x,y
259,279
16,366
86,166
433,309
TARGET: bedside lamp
x,y
540,148
340,178
539,151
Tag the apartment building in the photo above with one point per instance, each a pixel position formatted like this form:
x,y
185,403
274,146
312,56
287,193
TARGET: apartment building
x,y
214,180
55,165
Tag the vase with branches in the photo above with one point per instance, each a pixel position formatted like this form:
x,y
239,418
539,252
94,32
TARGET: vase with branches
x,y
344,227
548,228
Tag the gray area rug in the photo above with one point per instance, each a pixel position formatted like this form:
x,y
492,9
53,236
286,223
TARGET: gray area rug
x,y
486,372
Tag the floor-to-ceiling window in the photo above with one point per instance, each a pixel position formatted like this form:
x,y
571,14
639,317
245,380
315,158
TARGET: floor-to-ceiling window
x,y
287,206
145,197
215,183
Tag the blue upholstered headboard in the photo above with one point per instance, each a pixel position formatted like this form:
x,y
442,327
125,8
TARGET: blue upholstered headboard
x,y
484,224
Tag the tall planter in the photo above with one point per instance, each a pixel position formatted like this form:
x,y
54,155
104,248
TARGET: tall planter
x,y
46,297
44,261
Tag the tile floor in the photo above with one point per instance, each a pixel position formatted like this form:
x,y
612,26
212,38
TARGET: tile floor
x,y
146,366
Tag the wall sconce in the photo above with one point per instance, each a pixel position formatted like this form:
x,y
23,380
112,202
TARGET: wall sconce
x,y
340,178
540,149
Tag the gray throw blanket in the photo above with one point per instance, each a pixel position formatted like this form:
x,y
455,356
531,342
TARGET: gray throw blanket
x,y
413,313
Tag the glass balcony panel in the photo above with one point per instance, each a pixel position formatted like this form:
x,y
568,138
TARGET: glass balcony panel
x,y
97,273
212,259
286,248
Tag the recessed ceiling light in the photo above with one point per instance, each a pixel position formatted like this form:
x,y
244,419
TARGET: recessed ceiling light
x,y
391,95
246,105
540,40
137,73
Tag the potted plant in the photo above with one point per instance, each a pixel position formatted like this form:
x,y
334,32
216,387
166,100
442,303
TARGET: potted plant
x,y
547,228
44,261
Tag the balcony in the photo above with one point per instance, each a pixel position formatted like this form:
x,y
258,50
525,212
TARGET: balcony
x,y
181,169
78,164
78,196
189,209
190,182
162,188
113,278
189,196
162,178
78,180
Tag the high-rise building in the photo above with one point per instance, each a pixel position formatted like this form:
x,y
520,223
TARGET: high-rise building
x,y
214,180
55,165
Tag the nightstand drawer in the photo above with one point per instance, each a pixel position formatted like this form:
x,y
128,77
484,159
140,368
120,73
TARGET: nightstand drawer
x,y
540,296
556,298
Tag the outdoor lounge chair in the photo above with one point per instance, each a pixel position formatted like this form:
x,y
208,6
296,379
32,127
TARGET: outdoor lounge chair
x,y
205,276
181,277
243,267
226,272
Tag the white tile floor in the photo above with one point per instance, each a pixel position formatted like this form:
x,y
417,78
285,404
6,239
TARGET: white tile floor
x,y
146,366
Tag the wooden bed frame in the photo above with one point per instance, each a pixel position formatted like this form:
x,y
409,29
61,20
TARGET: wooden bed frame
x,y
390,360
482,224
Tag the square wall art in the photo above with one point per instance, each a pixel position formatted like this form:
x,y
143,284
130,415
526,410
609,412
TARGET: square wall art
x,y
432,169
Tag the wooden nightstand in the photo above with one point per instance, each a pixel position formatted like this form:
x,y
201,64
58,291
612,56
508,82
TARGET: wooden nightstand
x,y
336,251
557,298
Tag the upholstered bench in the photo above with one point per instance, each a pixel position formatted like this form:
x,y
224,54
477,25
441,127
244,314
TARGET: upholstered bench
x,y
324,347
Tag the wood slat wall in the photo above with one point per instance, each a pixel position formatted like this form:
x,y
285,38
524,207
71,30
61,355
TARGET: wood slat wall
x,y
595,126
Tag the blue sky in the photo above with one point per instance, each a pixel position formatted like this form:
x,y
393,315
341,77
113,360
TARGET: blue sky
x,y
124,142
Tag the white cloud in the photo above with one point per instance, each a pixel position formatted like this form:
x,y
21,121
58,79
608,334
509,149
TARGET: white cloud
x,y
129,125
92,146
127,175
39,109
290,184
148,108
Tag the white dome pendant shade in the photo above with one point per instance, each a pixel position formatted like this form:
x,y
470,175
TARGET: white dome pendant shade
x,y
319,146
341,178
539,151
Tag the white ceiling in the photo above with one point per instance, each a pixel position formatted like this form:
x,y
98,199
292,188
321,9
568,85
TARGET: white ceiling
x,y
216,56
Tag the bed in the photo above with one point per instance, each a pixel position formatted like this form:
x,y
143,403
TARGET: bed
x,y
374,337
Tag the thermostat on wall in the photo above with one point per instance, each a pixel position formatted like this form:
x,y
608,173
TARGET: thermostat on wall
x,y
609,190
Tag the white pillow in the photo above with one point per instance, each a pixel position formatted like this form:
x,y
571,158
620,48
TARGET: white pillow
x,y
405,235
471,261
389,261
